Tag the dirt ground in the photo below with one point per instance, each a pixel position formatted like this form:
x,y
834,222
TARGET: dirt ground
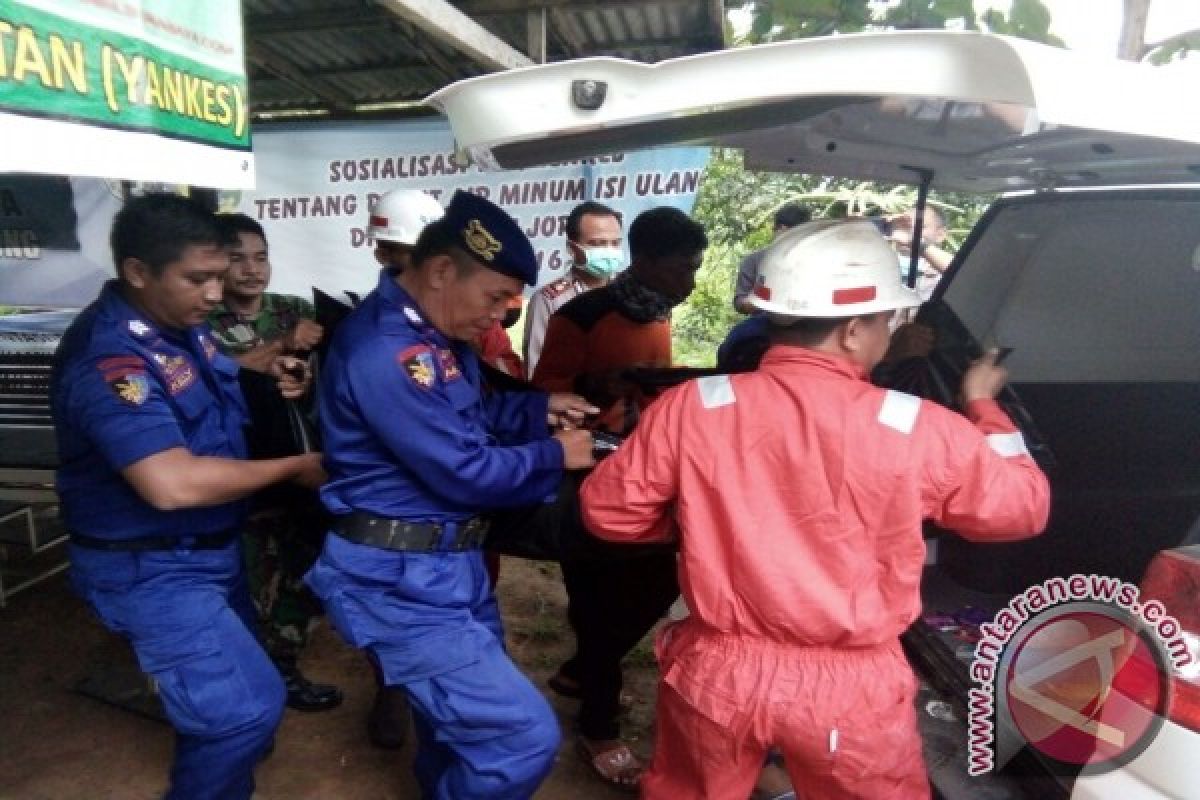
x,y
57,744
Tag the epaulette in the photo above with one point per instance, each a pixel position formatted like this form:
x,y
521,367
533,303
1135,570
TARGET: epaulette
x,y
553,290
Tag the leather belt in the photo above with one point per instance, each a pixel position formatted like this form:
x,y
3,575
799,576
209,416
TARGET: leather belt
x,y
200,541
418,537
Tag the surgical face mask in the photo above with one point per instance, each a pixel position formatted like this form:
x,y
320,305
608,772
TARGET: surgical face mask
x,y
603,262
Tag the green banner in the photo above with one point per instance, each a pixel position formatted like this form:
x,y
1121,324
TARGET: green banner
x,y
170,68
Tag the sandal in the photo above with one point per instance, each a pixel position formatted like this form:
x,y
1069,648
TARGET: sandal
x,y
615,763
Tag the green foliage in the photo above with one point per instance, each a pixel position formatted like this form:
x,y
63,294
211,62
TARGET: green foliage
x,y
778,20
736,208
927,14
1027,19
1176,48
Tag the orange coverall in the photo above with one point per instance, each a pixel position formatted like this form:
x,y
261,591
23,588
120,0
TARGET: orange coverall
x,y
798,492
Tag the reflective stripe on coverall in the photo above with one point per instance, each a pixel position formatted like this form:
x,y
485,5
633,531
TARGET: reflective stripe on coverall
x,y
798,491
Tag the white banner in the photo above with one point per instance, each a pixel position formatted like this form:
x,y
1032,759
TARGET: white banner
x,y
315,187
316,184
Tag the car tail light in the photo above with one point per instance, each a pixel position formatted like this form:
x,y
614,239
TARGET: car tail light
x,y
1173,579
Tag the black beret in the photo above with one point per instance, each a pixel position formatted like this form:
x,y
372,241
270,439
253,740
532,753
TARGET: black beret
x,y
490,236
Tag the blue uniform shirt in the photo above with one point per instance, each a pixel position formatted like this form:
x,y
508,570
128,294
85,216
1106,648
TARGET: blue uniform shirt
x,y
746,340
408,432
122,390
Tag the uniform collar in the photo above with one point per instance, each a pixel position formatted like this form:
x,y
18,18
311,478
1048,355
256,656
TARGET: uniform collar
x,y
130,321
400,311
137,326
780,355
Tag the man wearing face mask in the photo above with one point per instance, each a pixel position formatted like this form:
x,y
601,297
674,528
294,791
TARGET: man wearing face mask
x,y
590,343
594,241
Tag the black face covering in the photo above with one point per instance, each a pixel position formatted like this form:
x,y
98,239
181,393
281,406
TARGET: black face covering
x,y
510,317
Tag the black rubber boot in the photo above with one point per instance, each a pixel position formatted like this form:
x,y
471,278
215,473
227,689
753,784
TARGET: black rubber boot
x,y
303,694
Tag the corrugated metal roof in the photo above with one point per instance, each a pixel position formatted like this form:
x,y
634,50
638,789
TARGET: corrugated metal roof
x,y
337,56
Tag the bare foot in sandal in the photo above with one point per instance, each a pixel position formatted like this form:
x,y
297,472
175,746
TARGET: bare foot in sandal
x,y
612,761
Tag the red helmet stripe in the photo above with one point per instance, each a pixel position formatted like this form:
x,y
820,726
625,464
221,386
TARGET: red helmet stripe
x,y
859,294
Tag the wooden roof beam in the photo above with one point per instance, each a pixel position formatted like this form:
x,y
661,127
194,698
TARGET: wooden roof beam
x,y
442,21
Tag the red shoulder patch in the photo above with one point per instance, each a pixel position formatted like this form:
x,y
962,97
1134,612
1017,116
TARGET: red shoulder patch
x,y
553,290
418,363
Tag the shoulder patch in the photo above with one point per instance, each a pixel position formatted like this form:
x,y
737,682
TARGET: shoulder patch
x,y
132,388
556,288
449,364
417,362
176,370
120,365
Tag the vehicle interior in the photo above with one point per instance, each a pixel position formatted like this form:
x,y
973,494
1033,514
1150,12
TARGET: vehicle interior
x,y
1096,294
1093,288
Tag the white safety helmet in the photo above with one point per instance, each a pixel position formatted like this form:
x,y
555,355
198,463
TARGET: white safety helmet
x,y
831,268
400,215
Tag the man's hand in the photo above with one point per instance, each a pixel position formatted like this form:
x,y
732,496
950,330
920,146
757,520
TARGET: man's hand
x,y
310,475
984,380
302,338
577,448
293,374
568,410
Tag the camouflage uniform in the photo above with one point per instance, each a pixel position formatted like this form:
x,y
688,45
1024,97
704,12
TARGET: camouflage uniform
x,y
278,550
279,314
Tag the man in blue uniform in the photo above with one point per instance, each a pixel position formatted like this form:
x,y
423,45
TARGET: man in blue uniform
x,y
149,420
417,450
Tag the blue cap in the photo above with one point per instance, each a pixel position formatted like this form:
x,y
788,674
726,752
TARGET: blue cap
x,y
489,235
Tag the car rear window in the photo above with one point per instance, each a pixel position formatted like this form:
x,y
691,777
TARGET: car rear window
x,y
1087,288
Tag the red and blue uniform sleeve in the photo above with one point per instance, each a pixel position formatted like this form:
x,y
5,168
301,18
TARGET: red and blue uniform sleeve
x,y
122,409
440,432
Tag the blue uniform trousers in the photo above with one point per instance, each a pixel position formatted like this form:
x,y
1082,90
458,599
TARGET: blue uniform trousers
x,y
431,622
190,620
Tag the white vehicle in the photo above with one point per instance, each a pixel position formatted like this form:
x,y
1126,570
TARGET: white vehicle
x,y
1089,268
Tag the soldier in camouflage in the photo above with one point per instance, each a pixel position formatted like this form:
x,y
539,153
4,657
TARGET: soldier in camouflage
x,y
254,327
